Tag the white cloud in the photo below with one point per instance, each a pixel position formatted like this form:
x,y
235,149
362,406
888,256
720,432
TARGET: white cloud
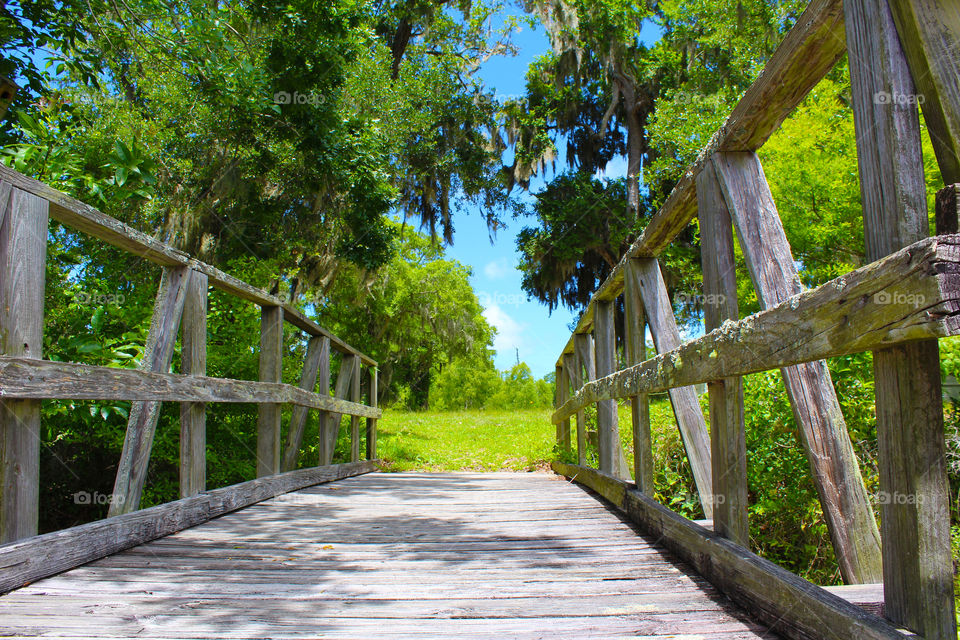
x,y
497,269
509,331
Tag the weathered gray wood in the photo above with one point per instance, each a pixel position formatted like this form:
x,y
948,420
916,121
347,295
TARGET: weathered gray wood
x,y
354,420
930,34
572,367
41,556
36,379
947,208
561,393
372,422
193,415
876,305
686,406
271,370
142,423
585,373
324,419
635,349
318,349
23,250
816,409
793,607
918,582
728,448
610,451
92,222
342,389
808,51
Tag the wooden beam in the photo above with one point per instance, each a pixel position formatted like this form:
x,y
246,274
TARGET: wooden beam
x,y
728,448
344,382
791,606
97,224
915,524
608,432
23,250
586,371
42,556
318,351
271,370
910,295
808,51
816,409
372,422
686,406
42,379
142,423
635,348
929,33
354,420
193,415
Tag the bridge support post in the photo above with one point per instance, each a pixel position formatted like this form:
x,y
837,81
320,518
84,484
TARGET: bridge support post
x,y
728,442
318,355
23,251
193,415
635,347
372,422
917,567
330,428
355,420
571,368
583,356
268,414
608,432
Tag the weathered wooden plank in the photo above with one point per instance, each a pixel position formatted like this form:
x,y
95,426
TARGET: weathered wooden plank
x,y
328,440
808,51
23,250
635,351
573,370
918,583
816,409
930,34
586,371
318,351
791,606
40,556
608,435
271,371
686,407
947,210
142,423
354,420
910,295
193,415
37,379
372,422
728,445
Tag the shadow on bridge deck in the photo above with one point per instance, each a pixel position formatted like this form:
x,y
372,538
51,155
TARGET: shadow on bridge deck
x,y
501,555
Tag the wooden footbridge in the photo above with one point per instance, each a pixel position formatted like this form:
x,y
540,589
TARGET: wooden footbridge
x,y
337,551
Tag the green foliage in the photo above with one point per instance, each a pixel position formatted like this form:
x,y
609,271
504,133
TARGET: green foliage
x,y
464,385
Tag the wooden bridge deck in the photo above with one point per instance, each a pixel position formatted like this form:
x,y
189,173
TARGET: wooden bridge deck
x,y
449,555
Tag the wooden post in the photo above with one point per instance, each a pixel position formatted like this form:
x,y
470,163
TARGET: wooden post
x,y
635,327
608,434
271,370
344,381
142,423
372,422
318,350
728,441
558,396
323,426
583,354
355,420
686,405
572,366
948,209
930,35
816,409
563,433
193,415
23,254
917,567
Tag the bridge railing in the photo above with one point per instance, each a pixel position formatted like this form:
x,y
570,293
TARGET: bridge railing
x,y
181,306
896,306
